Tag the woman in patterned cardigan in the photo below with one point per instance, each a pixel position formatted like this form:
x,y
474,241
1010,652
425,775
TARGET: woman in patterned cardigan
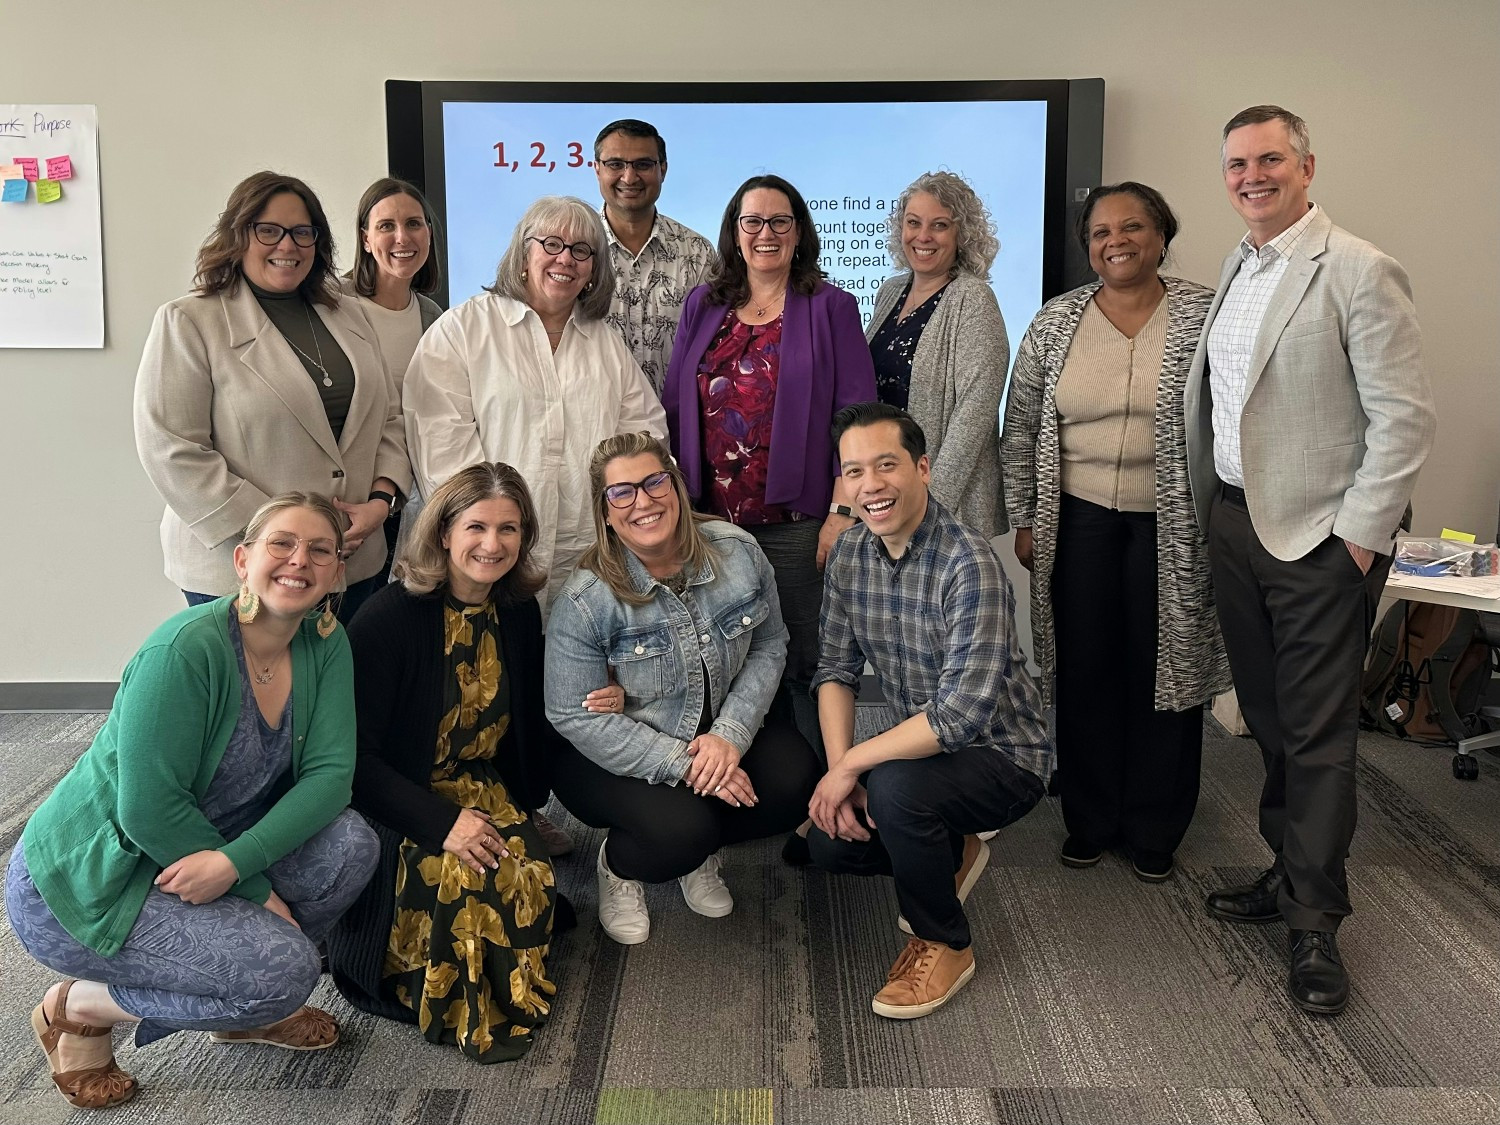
x,y
1096,484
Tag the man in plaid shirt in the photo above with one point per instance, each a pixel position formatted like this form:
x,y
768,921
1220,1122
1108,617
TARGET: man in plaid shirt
x,y
923,599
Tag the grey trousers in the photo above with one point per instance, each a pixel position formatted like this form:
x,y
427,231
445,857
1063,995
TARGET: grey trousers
x,y
1296,634
225,965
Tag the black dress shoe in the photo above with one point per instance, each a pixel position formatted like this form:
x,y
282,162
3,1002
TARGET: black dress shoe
x,y
1317,981
1254,903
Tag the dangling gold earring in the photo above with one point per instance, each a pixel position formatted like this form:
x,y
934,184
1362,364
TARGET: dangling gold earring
x,y
327,620
248,606
523,275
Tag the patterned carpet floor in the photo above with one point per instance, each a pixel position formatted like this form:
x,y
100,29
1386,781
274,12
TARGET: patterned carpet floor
x,y
1098,999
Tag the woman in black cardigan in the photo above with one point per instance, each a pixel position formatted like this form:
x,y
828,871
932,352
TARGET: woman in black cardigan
x,y
452,932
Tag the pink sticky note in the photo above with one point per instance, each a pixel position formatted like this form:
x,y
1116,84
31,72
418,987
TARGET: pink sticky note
x,y
48,191
28,167
59,168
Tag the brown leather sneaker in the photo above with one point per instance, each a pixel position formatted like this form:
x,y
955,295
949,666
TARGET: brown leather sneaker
x,y
924,977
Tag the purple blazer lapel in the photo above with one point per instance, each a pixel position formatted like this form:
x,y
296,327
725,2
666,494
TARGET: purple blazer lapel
x,y
787,471
684,412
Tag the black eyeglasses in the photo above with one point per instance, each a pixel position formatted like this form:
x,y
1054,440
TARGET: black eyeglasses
x,y
270,234
656,486
553,245
779,224
283,545
645,165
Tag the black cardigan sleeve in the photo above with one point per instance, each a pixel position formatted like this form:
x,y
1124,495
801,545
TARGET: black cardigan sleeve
x,y
397,642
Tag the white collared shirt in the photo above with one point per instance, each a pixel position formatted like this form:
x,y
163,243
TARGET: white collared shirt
x,y
1231,339
485,386
651,286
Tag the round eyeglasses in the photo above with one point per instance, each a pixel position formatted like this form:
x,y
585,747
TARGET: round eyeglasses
x,y
270,234
322,552
656,486
554,246
779,224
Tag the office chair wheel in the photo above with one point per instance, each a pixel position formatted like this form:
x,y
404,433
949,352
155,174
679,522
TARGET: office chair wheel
x,y
1465,767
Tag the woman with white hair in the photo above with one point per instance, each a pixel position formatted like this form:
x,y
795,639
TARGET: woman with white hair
x,y
939,344
529,373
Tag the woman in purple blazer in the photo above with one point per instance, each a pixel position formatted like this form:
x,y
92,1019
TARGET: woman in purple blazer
x,y
765,354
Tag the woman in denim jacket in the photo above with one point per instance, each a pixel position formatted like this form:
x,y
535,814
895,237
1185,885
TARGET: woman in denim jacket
x,y
683,612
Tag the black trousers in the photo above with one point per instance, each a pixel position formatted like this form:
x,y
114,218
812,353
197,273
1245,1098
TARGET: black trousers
x,y
923,809
662,832
1128,772
792,550
1296,633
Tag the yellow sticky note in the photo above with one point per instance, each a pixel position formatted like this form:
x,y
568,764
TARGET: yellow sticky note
x,y
1458,536
48,191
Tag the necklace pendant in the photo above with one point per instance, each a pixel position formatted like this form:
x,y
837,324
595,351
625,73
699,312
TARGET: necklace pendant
x,y
265,677
327,380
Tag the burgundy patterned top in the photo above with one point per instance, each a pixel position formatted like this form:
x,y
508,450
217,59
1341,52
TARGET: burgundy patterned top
x,y
737,396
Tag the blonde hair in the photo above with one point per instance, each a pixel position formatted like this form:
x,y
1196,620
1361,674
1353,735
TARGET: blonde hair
x,y
423,565
977,242
314,502
606,557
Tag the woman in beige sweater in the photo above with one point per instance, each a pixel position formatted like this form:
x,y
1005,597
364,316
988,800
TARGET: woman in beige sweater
x,y
1096,485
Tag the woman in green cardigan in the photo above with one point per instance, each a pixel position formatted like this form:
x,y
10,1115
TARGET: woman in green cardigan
x,y
185,869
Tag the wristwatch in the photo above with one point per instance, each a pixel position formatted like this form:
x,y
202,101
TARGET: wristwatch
x,y
841,510
388,497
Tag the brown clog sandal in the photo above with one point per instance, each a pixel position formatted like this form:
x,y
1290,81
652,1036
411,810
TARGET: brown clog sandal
x,y
90,1087
306,1029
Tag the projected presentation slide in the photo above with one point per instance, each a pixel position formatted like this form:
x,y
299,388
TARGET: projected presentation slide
x,y
849,160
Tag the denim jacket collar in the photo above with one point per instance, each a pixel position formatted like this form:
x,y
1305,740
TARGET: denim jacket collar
x,y
642,580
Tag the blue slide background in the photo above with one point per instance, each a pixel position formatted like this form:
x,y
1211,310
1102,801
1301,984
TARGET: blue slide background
x,y
828,150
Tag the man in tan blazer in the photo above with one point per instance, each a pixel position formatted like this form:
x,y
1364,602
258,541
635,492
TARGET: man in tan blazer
x,y
1308,418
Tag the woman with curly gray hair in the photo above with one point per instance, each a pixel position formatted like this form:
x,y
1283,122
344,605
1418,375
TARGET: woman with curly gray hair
x,y
939,344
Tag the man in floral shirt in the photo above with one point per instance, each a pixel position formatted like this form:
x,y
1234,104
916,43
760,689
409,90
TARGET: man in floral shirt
x,y
657,261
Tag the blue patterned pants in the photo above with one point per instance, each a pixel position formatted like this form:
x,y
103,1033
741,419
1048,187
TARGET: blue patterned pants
x,y
225,965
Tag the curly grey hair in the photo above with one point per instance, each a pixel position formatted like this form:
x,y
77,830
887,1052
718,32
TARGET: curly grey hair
x,y
977,241
572,220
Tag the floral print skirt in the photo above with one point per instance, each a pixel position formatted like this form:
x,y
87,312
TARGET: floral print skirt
x,y
468,951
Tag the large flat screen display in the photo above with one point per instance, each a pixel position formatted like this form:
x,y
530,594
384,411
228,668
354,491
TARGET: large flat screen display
x,y
485,151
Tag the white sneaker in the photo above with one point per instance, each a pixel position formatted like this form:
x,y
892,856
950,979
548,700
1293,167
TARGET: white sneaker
x,y
705,892
622,906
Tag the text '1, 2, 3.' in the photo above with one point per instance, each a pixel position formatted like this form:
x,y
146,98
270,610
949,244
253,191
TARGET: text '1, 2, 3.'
x,y
539,159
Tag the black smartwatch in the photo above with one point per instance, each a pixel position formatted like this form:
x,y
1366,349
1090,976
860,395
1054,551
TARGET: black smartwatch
x,y
388,497
841,510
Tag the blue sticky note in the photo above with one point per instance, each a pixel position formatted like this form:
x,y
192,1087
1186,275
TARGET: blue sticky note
x,y
15,191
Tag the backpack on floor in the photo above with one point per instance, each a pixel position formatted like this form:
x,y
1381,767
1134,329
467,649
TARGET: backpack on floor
x,y
1427,672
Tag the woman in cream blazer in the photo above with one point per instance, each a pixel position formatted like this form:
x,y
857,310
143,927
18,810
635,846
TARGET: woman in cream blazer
x,y
263,381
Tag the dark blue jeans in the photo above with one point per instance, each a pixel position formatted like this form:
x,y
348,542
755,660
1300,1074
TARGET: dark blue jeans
x,y
348,603
923,808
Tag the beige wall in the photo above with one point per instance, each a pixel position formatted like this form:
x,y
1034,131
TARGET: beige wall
x,y
1402,99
